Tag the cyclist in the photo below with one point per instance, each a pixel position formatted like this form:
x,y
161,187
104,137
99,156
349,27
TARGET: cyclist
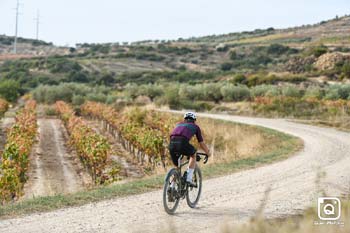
x,y
179,143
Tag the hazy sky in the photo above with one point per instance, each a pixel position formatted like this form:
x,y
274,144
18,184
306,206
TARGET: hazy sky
x,y
78,21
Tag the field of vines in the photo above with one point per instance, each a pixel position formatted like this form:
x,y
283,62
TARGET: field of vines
x,y
145,134
92,148
15,157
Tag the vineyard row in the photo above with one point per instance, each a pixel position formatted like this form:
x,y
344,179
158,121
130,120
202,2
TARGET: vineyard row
x,y
92,148
145,134
15,157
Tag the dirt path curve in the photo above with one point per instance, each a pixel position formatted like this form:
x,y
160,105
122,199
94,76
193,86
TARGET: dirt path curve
x,y
230,199
52,168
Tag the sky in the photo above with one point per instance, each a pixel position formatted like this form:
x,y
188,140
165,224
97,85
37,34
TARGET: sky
x,y
67,22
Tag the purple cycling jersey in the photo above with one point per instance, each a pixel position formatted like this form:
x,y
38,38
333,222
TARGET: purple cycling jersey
x,y
187,130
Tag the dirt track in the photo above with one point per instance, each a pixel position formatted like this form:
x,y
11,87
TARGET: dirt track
x,y
226,200
52,168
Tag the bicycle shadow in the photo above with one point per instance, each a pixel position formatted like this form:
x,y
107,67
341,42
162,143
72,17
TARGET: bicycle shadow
x,y
207,211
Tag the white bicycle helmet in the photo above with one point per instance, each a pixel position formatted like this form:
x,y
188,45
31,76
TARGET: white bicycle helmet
x,y
190,115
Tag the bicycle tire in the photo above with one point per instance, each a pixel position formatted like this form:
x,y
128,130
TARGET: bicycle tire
x,y
169,210
197,175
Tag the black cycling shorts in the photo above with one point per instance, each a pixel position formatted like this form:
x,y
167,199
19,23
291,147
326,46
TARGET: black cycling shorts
x,y
180,146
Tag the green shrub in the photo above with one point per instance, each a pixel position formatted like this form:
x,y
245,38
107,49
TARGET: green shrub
x,y
332,94
196,106
253,80
265,90
190,92
277,49
152,91
70,92
233,55
318,50
291,91
111,99
346,70
240,79
97,97
231,92
172,97
338,91
211,92
226,66
62,65
10,90
78,76
78,100
314,92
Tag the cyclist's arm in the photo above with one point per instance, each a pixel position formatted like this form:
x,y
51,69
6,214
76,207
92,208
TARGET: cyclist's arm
x,y
201,141
204,147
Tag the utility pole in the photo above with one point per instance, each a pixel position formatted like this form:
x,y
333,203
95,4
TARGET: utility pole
x,y
16,31
37,19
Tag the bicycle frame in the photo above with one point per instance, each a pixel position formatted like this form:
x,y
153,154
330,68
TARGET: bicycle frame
x,y
180,165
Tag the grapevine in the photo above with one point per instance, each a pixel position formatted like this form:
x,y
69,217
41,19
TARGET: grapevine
x,y
92,148
20,138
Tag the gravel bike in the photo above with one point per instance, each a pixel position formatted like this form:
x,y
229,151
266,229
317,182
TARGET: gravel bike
x,y
176,187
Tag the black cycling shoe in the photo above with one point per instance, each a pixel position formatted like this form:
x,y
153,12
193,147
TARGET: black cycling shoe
x,y
171,194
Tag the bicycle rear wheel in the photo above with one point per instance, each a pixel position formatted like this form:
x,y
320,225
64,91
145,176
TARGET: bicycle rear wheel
x,y
171,192
194,193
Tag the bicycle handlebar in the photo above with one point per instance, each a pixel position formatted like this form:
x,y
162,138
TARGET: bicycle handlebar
x,y
199,154
198,157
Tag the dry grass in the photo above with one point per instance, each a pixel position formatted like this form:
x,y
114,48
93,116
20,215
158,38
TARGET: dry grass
x,y
337,122
232,141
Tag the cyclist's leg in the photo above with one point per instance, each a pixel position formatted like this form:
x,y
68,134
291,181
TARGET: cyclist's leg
x,y
190,151
174,152
174,157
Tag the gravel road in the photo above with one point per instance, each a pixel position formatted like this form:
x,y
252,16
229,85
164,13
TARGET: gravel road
x,y
226,200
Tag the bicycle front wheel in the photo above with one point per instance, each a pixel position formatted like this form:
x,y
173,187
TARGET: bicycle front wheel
x,y
171,191
194,193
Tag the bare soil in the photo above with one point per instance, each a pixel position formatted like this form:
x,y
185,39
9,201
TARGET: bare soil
x,y
53,168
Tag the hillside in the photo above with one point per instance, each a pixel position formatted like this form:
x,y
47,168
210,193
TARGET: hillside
x,y
330,32
269,49
307,54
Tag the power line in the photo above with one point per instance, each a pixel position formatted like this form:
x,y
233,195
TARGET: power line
x,y
16,30
37,19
